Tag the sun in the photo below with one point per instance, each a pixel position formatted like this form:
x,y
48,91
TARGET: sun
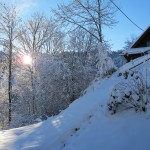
x,y
27,60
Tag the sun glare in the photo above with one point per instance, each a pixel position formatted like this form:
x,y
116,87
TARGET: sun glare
x,y
27,60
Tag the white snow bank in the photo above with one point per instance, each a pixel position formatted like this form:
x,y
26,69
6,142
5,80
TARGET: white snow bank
x,y
125,131
51,133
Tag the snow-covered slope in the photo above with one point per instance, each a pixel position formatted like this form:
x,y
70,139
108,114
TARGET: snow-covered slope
x,y
85,124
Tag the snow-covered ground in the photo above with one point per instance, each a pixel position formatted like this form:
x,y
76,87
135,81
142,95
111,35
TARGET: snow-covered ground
x,y
86,124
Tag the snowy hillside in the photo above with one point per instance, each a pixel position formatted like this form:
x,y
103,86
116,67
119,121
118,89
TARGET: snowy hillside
x,y
86,123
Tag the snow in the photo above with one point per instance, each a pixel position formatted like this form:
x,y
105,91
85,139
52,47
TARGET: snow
x,y
120,132
127,92
56,129
134,63
135,97
86,124
136,50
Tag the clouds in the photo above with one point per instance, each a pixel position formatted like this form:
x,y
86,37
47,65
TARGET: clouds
x,y
25,6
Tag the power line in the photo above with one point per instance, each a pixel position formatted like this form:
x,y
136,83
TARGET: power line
x,y
126,16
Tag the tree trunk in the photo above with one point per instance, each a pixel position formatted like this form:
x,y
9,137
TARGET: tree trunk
x,y
10,81
99,21
33,90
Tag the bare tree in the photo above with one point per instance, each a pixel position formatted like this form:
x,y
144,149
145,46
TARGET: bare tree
x,y
55,44
129,42
87,14
34,35
9,23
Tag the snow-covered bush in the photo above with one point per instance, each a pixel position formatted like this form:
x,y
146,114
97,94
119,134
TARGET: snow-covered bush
x,y
133,94
105,64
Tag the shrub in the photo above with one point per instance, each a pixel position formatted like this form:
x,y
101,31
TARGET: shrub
x,y
132,94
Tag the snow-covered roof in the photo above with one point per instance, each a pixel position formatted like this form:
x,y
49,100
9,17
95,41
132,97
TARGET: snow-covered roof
x,y
136,50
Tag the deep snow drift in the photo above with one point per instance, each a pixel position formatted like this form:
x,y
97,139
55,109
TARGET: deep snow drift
x,y
86,124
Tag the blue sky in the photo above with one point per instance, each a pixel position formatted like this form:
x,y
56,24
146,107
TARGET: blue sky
x,y
137,10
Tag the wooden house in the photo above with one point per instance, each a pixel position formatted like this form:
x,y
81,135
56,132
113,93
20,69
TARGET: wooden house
x,y
140,47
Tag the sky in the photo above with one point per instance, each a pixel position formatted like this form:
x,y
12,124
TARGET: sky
x,y
137,10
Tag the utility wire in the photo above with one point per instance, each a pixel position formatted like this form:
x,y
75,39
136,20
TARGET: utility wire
x,y
126,16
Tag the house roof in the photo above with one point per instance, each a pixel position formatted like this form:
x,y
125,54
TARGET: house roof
x,y
136,50
140,45
142,37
